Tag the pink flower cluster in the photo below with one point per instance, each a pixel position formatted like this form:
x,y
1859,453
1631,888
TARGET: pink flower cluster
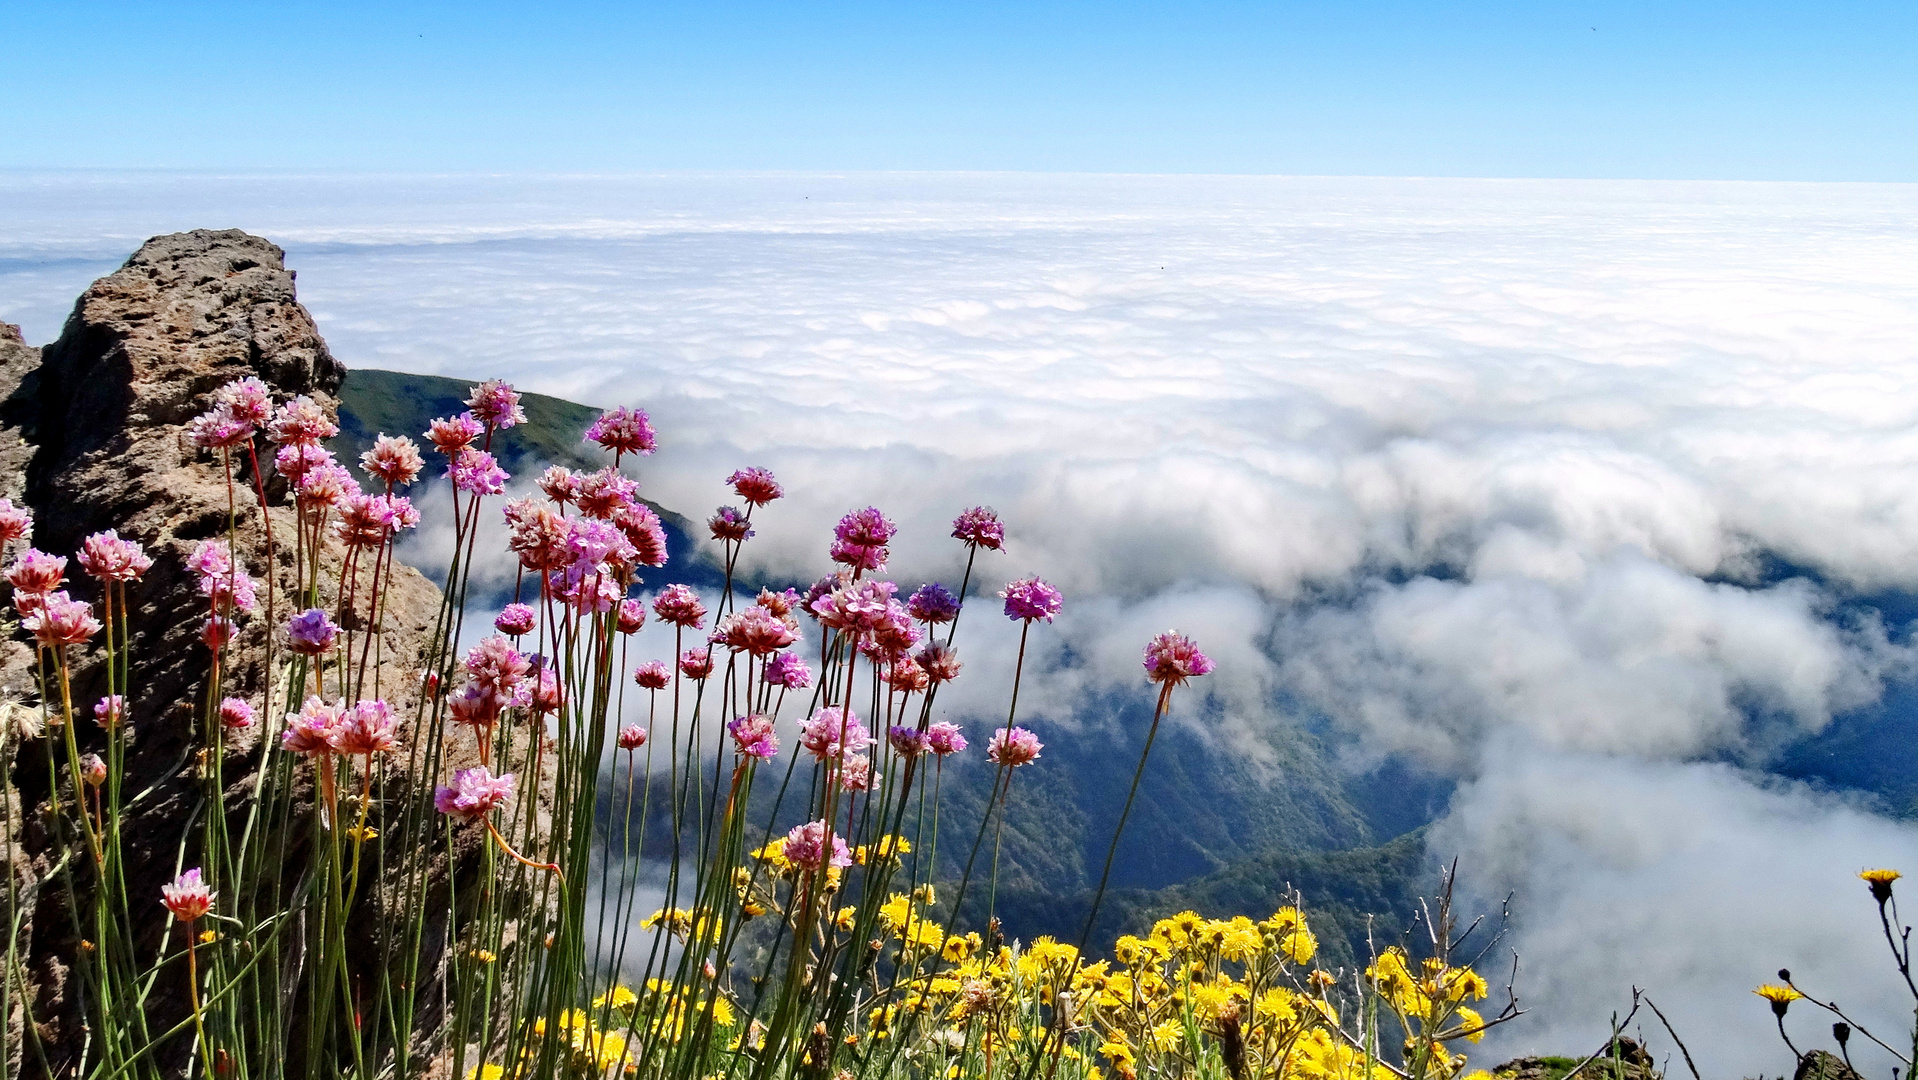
x,y
1013,748
754,736
187,897
624,431
1031,599
806,847
860,539
1172,658
832,732
362,729
979,527
106,557
474,793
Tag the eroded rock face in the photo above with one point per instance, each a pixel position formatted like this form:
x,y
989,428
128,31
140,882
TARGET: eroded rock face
x,y
92,436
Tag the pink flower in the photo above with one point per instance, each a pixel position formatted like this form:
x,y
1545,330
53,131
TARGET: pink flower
x,y
450,437
729,525
496,405
497,666
832,732
325,485
216,632
907,742
859,556
679,605
394,459
547,696
805,847
539,535
235,713
62,621
559,484
979,527
856,608
1030,599
368,729
754,736
857,774
295,460
644,531
933,603
218,429
93,771
653,675
1171,658
516,620
632,737
943,738
476,473
473,793
310,731
604,494
753,630
866,528
904,675
16,523
940,662
756,486
187,897
474,704
787,670
1013,749
35,571
624,431
696,663
301,422
632,616
311,632
108,558
108,711
780,604
247,400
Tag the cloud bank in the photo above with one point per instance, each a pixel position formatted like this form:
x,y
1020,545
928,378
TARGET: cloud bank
x,y
1568,490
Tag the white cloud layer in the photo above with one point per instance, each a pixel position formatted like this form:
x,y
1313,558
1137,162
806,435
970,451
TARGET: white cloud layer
x,y
1485,471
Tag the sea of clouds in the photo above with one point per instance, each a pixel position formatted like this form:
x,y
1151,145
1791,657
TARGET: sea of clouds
x,y
1497,475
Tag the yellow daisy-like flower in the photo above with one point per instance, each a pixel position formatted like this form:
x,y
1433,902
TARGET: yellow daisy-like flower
x,y
621,998
1118,1052
844,918
895,911
362,832
1880,882
484,956
1780,997
208,937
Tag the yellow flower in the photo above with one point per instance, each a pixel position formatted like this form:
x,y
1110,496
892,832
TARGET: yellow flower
x,y
1780,997
484,956
1168,1034
362,832
843,920
1471,1023
1880,882
208,937
1300,946
958,948
621,997
486,1072
774,852
1118,1051
895,911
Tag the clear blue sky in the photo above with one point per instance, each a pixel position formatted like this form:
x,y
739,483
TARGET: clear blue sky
x,y
1758,90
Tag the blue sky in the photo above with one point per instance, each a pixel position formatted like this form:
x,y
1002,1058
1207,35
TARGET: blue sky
x,y
1795,91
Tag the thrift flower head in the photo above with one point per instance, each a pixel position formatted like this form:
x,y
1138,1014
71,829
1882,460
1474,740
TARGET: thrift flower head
x,y
858,607
831,732
933,603
235,713
59,620
644,531
631,737
218,429
696,663
753,630
624,431
857,773
781,604
394,460
187,897
450,437
943,738
515,620
106,557
806,848
311,632
495,404
1013,749
605,493
979,527
754,736
93,771
35,571
326,484
653,675
679,605
866,528
216,632
476,473
473,793
301,422
755,485
296,460
788,671
940,662
548,696
904,675
632,616
497,667
1030,599
248,400
559,484
859,556
368,728
1880,882
907,742
110,710
310,731
16,523
1172,658
729,524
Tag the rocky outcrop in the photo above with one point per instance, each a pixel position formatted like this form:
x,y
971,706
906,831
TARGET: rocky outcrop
x,y
1622,1059
92,435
